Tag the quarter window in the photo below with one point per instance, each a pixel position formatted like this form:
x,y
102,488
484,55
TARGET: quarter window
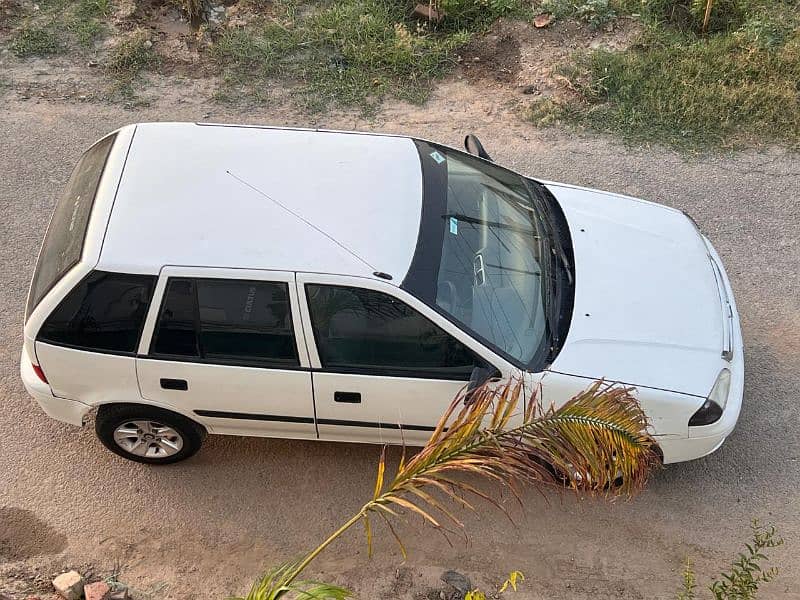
x,y
227,321
105,312
359,329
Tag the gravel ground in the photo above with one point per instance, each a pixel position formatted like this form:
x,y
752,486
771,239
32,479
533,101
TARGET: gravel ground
x,y
203,528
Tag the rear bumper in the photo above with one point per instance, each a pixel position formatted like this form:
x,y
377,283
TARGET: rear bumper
x,y
705,439
61,409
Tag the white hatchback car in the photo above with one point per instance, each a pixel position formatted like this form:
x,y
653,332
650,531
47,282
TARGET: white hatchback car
x,y
202,278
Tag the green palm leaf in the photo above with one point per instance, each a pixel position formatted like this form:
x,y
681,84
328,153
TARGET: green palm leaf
x,y
280,582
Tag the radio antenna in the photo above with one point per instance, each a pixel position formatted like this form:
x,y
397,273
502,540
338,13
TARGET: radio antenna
x,y
309,223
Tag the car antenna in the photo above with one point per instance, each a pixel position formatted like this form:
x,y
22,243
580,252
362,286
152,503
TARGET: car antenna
x,y
375,272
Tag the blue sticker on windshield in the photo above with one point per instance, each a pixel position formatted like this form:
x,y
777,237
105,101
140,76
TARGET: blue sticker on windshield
x,y
453,225
437,157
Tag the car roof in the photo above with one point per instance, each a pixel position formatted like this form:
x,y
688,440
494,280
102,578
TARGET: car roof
x,y
227,196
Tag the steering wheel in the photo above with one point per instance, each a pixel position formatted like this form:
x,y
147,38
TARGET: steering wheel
x,y
450,299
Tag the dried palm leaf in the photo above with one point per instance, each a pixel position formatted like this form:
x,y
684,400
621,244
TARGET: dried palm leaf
x,y
596,443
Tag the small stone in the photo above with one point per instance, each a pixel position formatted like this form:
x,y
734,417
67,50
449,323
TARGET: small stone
x,y
120,594
542,20
148,44
69,585
426,11
456,580
96,591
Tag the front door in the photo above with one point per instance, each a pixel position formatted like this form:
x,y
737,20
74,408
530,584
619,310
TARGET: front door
x,y
382,371
222,347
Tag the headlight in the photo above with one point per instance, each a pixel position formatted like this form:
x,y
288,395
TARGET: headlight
x,y
712,408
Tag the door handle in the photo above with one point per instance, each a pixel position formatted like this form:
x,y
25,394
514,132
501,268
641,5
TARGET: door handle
x,y
175,384
347,397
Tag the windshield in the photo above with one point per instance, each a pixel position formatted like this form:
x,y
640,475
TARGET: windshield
x,y
486,257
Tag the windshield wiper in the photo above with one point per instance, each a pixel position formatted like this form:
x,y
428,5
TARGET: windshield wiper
x,y
477,221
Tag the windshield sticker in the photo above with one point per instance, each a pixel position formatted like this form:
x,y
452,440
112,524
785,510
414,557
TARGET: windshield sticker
x,y
453,225
437,157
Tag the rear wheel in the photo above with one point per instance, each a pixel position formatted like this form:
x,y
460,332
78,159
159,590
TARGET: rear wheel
x,y
148,434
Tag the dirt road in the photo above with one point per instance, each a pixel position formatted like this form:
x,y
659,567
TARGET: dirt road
x,y
203,528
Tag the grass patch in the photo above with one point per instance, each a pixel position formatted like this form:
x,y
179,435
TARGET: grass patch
x,y
85,20
351,52
594,13
59,24
128,59
34,40
739,85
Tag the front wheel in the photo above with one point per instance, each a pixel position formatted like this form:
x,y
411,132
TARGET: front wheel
x,y
147,434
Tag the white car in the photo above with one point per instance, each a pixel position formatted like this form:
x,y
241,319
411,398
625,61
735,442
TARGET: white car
x,y
200,278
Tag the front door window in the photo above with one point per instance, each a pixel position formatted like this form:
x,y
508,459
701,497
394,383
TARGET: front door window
x,y
360,330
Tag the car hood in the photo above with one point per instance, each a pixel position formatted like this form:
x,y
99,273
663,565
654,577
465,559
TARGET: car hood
x,y
647,309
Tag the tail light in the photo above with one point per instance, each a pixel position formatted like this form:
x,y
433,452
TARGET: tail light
x,y
39,373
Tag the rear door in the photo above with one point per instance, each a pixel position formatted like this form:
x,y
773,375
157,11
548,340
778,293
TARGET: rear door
x,y
382,370
222,346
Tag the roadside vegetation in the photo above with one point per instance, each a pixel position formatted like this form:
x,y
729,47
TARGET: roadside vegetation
x,y
128,59
702,74
56,26
745,575
352,52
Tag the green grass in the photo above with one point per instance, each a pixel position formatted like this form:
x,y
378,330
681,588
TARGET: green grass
x,y
350,52
60,23
33,40
85,20
739,85
126,62
594,13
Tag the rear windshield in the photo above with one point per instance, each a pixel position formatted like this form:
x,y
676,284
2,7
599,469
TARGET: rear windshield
x,y
63,242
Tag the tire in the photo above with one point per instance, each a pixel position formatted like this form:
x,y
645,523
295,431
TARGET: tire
x,y
148,434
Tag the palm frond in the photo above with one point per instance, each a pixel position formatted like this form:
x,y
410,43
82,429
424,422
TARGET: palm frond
x,y
281,582
597,443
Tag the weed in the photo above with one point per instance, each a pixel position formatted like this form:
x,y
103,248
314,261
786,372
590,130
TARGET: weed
x,y
85,20
595,13
127,60
131,56
37,41
745,576
513,580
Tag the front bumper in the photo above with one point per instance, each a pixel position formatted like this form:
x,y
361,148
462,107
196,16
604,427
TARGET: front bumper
x,y
61,409
704,440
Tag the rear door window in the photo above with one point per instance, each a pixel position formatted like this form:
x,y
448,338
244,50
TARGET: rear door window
x,y
228,322
360,330
63,242
105,313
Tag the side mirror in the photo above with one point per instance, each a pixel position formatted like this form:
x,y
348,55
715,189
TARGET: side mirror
x,y
474,147
479,376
